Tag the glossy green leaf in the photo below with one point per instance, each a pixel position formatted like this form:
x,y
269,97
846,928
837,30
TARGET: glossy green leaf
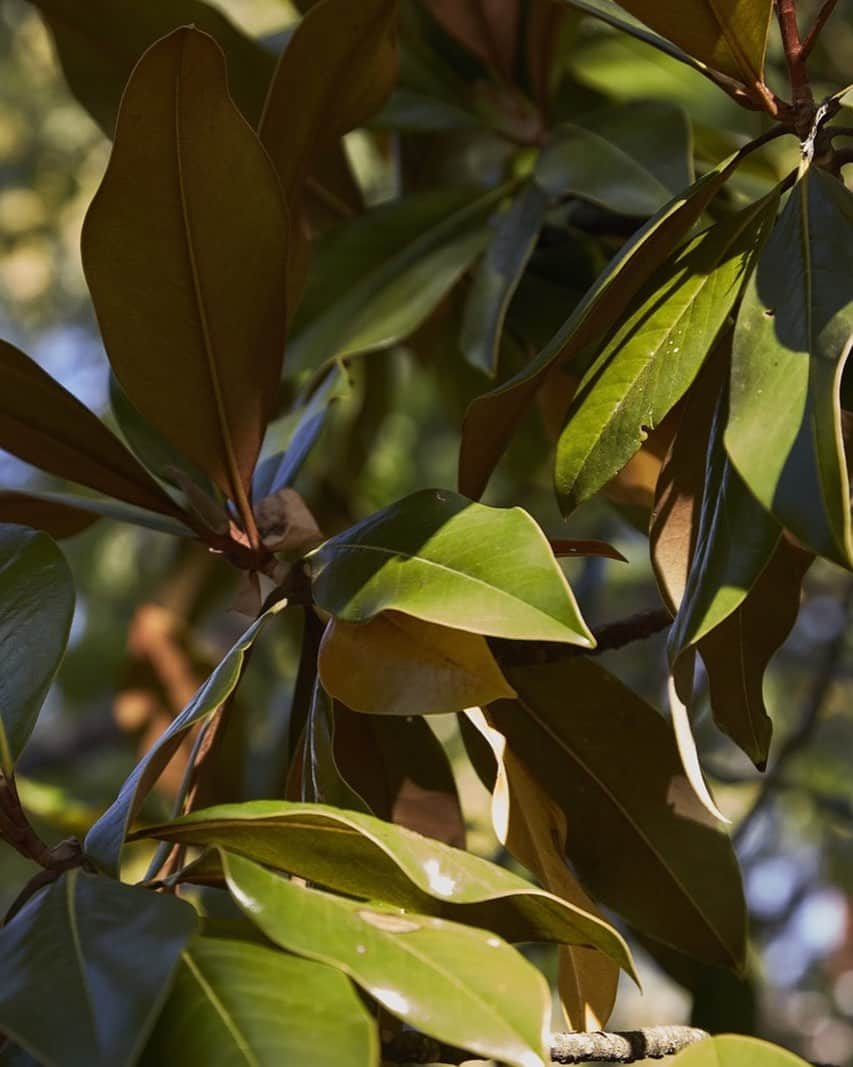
x,y
637,836
732,1050
496,279
374,280
491,419
439,557
36,608
609,159
104,841
51,516
728,35
655,353
461,985
43,424
108,950
100,43
792,339
364,856
236,1002
191,310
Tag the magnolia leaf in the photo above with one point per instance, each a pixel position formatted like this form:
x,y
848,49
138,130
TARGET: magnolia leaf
x,y
233,1001
731,1050
191,309
728,35
655,353
637,836
457,983
496,279
104,841
377,278
397,665
401,769
99,45
36,608
609,159
491,420
51,516
286,523
791,343
321,780
533,829
110,949
72,506
43,424
363,856
441,558
489,29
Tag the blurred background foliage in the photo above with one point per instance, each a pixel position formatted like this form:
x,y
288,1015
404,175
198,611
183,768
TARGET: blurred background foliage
x,y
153,616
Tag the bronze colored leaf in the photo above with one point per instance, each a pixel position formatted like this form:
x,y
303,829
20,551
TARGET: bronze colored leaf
x,y
57,519
184,249
487,28
43,424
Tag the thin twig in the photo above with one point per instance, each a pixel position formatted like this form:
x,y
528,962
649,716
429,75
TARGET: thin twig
x,y
833,655
819,23
631,1046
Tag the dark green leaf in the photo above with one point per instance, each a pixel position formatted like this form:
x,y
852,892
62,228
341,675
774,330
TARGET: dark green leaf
x,y
441,558
191,309
236,1002
791,343
108,950
639,839
104,841
457,983
496,278
36,608
366,857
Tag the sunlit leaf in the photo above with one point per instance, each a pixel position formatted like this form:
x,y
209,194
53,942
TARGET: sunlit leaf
x,y
441,558
104,841
533,829
366,857
792,340
491,419
109,950
655,353
236,1002
43,424
609,160
457,983
637,836
36,608
730,1050
397,665
192,309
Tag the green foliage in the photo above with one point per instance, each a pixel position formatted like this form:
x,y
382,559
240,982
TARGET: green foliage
x,y
474,188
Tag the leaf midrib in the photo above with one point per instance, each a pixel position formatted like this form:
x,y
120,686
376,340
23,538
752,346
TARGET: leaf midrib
x,y
240,1040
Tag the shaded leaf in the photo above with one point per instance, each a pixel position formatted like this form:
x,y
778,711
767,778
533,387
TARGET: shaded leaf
x,y
191,310
366,857
397,665
439,557
533,829
792,339
43,424
100,43
566,549
95,507
615,15
321,780
496,278
233,1001
637,836
376,279
456,983
36,608
728,35
730,1050
491,419
489,29
110,949
104,841
51,516
655,353
610,161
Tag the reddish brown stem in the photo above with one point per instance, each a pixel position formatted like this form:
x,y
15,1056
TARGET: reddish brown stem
x,y
801,90
819,23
